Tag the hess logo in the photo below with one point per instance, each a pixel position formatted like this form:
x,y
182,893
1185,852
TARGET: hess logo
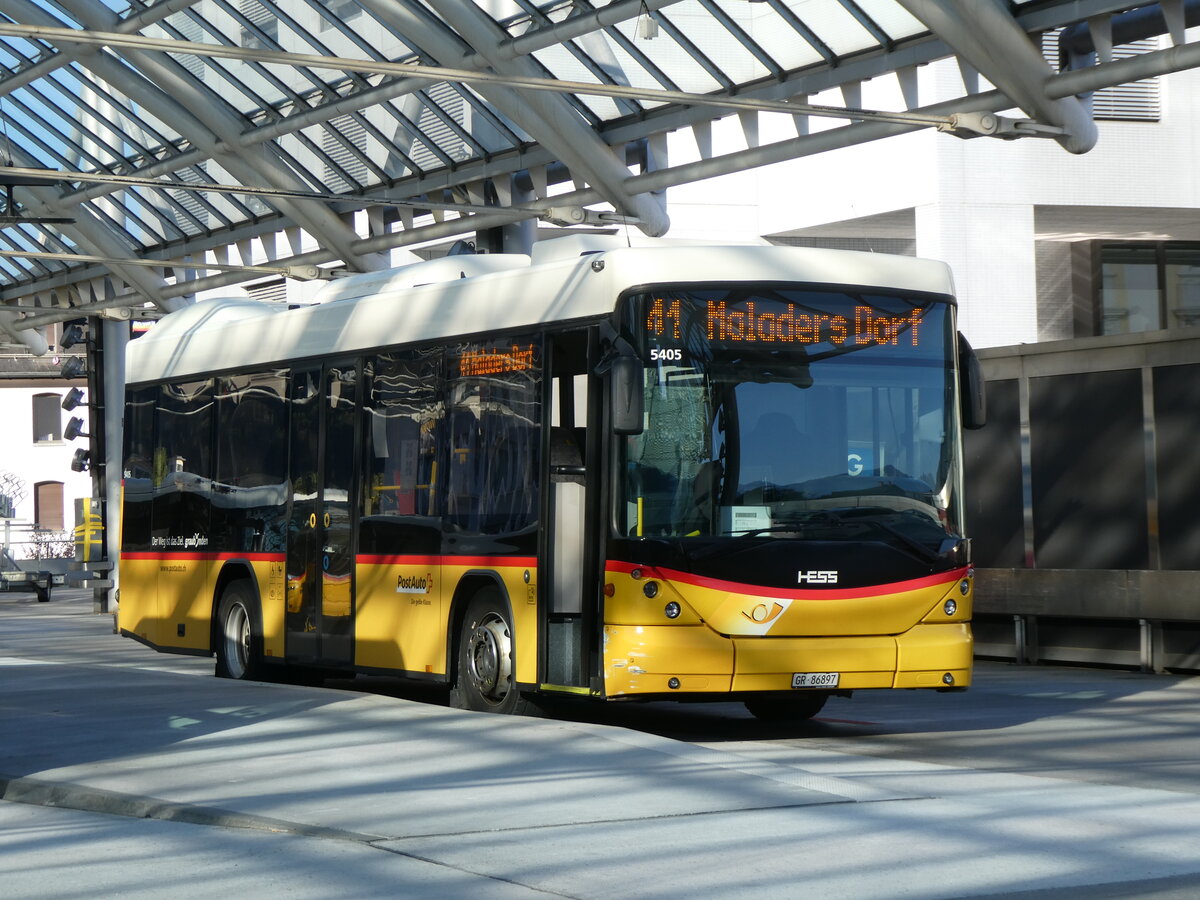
x,y
815,576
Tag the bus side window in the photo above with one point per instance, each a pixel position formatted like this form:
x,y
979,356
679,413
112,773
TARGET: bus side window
x,y
465,481
250,489
182,463
137,469
494,396
405,410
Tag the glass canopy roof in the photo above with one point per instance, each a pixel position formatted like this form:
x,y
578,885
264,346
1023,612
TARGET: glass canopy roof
x,y
152,149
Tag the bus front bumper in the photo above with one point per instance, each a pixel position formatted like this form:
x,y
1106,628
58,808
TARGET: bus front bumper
x,y
679,660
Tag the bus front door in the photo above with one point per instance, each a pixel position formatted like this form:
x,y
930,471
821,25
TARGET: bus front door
x,y
319,622
571,560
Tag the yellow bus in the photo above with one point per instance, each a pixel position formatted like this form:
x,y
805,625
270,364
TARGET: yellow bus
x,y
670,471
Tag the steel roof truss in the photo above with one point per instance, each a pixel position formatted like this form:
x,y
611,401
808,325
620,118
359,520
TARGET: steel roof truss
x,y
205,122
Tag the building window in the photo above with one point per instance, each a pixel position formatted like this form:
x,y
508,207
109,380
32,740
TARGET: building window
x,y
340,10
1149,286
264,33
342,137
1181,284
47,418
48,505
1129,295
1137,101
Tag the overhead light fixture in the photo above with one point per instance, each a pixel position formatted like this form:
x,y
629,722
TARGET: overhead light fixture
x,y
82,460
647,25
72,335
73,399
73,368
74,429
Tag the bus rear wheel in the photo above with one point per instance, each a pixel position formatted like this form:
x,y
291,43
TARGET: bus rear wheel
x,y
788,707
485,681
239,635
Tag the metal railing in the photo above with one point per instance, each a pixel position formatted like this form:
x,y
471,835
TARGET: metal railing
x,y
28,541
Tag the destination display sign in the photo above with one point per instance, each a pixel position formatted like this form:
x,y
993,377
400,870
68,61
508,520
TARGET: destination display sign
x,y
495,360
769,321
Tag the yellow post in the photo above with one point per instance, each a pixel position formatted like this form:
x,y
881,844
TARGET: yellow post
x,y
89,530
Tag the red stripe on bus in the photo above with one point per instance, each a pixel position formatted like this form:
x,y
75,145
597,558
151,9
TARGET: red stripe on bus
x,y
737,587
397,559
379,559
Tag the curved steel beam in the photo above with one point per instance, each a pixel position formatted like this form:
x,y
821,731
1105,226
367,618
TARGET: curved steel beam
x,y
984,34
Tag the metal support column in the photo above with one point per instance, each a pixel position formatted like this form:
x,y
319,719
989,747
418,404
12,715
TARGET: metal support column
x,y
116,337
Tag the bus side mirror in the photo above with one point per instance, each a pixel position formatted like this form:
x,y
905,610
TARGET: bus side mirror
x,y
971,391
625,394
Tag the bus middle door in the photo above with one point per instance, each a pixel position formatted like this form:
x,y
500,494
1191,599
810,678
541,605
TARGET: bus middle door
x,y
319,622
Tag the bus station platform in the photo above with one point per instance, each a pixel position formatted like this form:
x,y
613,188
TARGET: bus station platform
x,y
131,773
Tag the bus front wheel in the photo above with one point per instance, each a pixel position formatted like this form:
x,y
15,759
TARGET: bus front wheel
x,y
787,708
485,679
239,636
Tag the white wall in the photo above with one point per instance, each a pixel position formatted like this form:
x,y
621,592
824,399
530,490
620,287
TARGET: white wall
x,y
43,461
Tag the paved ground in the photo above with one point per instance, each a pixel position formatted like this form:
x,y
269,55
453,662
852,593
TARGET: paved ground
x,y
136,774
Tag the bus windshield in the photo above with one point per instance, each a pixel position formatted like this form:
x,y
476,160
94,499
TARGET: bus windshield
x,y
784,412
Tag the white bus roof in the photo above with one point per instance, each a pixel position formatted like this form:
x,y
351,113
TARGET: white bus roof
x,y
581,278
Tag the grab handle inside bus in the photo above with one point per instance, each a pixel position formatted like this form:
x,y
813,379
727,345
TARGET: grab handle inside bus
x,y
625,393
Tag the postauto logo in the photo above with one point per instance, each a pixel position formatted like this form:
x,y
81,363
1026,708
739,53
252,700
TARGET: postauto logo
x,y
414,584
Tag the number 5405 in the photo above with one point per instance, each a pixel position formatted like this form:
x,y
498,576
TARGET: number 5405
x,y
660,355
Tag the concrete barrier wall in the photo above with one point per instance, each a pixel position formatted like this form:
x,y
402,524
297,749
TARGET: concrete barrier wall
x,y
1084,502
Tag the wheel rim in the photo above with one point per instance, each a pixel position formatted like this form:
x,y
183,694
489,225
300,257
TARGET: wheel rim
x,y
489,658
237,640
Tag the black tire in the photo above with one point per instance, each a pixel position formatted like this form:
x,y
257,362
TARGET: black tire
x,y
788,707
239,633
484,668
